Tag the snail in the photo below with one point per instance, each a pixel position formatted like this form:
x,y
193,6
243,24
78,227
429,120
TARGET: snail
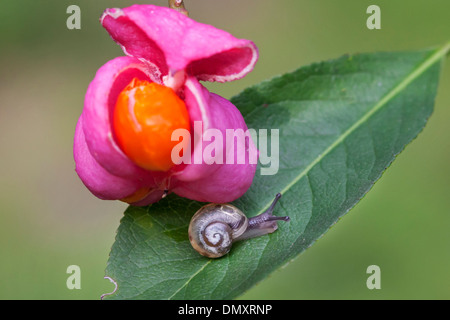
x,y
214,227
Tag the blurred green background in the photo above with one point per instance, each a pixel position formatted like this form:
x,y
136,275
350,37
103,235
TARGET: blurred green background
x,y
49,220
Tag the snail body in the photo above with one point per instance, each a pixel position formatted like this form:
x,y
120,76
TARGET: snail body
x,y
214,227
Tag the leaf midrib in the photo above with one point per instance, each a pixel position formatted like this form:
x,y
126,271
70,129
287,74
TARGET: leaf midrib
x,y
427,63
190,278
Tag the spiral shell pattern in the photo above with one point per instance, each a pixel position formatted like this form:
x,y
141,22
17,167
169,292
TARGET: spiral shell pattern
x,y
214,227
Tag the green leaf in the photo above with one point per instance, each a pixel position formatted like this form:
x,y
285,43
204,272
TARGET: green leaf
x,y
341,122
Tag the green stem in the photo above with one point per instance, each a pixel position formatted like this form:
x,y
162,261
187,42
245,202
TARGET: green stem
x,y
179,6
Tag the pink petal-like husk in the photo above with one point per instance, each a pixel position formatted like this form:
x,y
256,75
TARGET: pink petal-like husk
x,y
100,182
154,196
197,100
109,174
215,182
99,104
169,41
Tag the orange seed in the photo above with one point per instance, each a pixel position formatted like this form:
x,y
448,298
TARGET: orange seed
x,y
145,115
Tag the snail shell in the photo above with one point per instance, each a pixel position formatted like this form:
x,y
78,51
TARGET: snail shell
x,y
214,227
